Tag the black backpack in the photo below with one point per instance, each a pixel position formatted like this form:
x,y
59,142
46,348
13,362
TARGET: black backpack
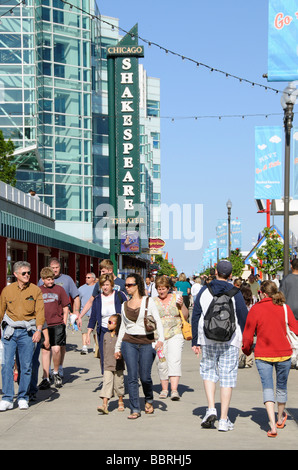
x,y
220,320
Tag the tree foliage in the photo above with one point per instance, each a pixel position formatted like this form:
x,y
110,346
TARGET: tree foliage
x,y
166,268
237,262
270,256
7,168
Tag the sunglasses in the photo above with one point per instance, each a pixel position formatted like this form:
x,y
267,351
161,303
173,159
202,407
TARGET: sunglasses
x,y
88,277
111,322
130,285
26,272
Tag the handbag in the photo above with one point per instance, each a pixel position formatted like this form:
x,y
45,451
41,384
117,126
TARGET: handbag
x,y
293,339
149,321
186,327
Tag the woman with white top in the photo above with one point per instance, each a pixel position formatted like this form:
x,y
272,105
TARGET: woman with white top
x,y
107,303
136,345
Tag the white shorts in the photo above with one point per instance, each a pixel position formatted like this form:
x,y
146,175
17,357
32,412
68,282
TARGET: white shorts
x,y
172,348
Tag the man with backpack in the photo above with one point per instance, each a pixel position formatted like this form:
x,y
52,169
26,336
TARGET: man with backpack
x,y
218,320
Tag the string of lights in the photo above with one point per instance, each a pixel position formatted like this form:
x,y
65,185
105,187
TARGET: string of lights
x,y
22,2
219,117
169,51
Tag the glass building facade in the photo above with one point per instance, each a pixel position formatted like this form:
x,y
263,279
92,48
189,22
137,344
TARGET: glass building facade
x,y
54,107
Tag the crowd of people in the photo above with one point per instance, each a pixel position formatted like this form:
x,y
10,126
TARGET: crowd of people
x,y
137,321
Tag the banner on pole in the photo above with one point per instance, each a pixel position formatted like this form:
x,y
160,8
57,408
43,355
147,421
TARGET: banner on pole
x,y
268,162
283,40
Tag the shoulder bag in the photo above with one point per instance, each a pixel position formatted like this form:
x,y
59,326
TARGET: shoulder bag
x,y
149,321
293,339
186,327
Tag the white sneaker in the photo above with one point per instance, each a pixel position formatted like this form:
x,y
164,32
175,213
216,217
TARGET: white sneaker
x,y
209,418
225,425
5,405
23,404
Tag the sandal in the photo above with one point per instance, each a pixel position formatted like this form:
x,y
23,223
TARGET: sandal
x,y
120,406
134,415
271,434
103,410
163,394
282,425
149,410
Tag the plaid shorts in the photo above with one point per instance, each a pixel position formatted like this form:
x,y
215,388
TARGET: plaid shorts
x,y
220,362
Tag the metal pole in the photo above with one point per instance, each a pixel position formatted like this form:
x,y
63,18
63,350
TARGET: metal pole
x,y
288,120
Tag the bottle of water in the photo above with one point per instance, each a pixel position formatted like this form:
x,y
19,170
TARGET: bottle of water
x,y
161,355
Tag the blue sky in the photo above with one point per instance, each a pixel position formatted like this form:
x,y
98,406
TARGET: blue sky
x,y
209,160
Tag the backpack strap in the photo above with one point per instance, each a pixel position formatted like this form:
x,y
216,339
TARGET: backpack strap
x,y
210,290
232,292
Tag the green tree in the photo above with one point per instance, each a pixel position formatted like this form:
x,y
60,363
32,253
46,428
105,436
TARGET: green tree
x,y
270,256
237,262
165,267
7,168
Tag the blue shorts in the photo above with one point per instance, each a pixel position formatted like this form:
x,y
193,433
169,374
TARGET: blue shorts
x,y
220,363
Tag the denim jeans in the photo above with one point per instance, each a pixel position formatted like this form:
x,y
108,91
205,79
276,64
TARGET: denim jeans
x,y
20,341
265,369
138,359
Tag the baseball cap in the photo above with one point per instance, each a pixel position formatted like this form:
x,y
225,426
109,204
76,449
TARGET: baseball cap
x,y
224,267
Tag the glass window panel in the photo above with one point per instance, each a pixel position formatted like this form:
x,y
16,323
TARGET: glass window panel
x,y
68,168
11,82
9,69
12,133
48,189
46,14
9,24
72,216
8,121
11,108
12,41
28,56
68,179
10,57
68,196
28,40
10,95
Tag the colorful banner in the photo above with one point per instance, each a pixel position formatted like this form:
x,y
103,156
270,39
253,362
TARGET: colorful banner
x,y
268,162
283,40
130,242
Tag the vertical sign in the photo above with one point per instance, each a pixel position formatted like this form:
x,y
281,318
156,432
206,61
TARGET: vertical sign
x,y
268,162
124,133
283,40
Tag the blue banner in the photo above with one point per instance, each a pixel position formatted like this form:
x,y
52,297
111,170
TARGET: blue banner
x,y
268,162
283,40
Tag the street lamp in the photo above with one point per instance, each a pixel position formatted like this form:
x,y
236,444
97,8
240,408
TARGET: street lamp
x,y
288,100
229,207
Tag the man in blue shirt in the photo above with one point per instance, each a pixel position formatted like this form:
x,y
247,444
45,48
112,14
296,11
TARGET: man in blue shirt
x,y
86,291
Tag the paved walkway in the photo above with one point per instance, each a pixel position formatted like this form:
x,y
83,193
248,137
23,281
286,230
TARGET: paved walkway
x,y
67,419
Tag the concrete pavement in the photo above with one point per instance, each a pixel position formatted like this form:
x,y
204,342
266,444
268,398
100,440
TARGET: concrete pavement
x,y
66,418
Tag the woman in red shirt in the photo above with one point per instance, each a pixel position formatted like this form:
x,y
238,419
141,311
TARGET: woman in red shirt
x,y
272,349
